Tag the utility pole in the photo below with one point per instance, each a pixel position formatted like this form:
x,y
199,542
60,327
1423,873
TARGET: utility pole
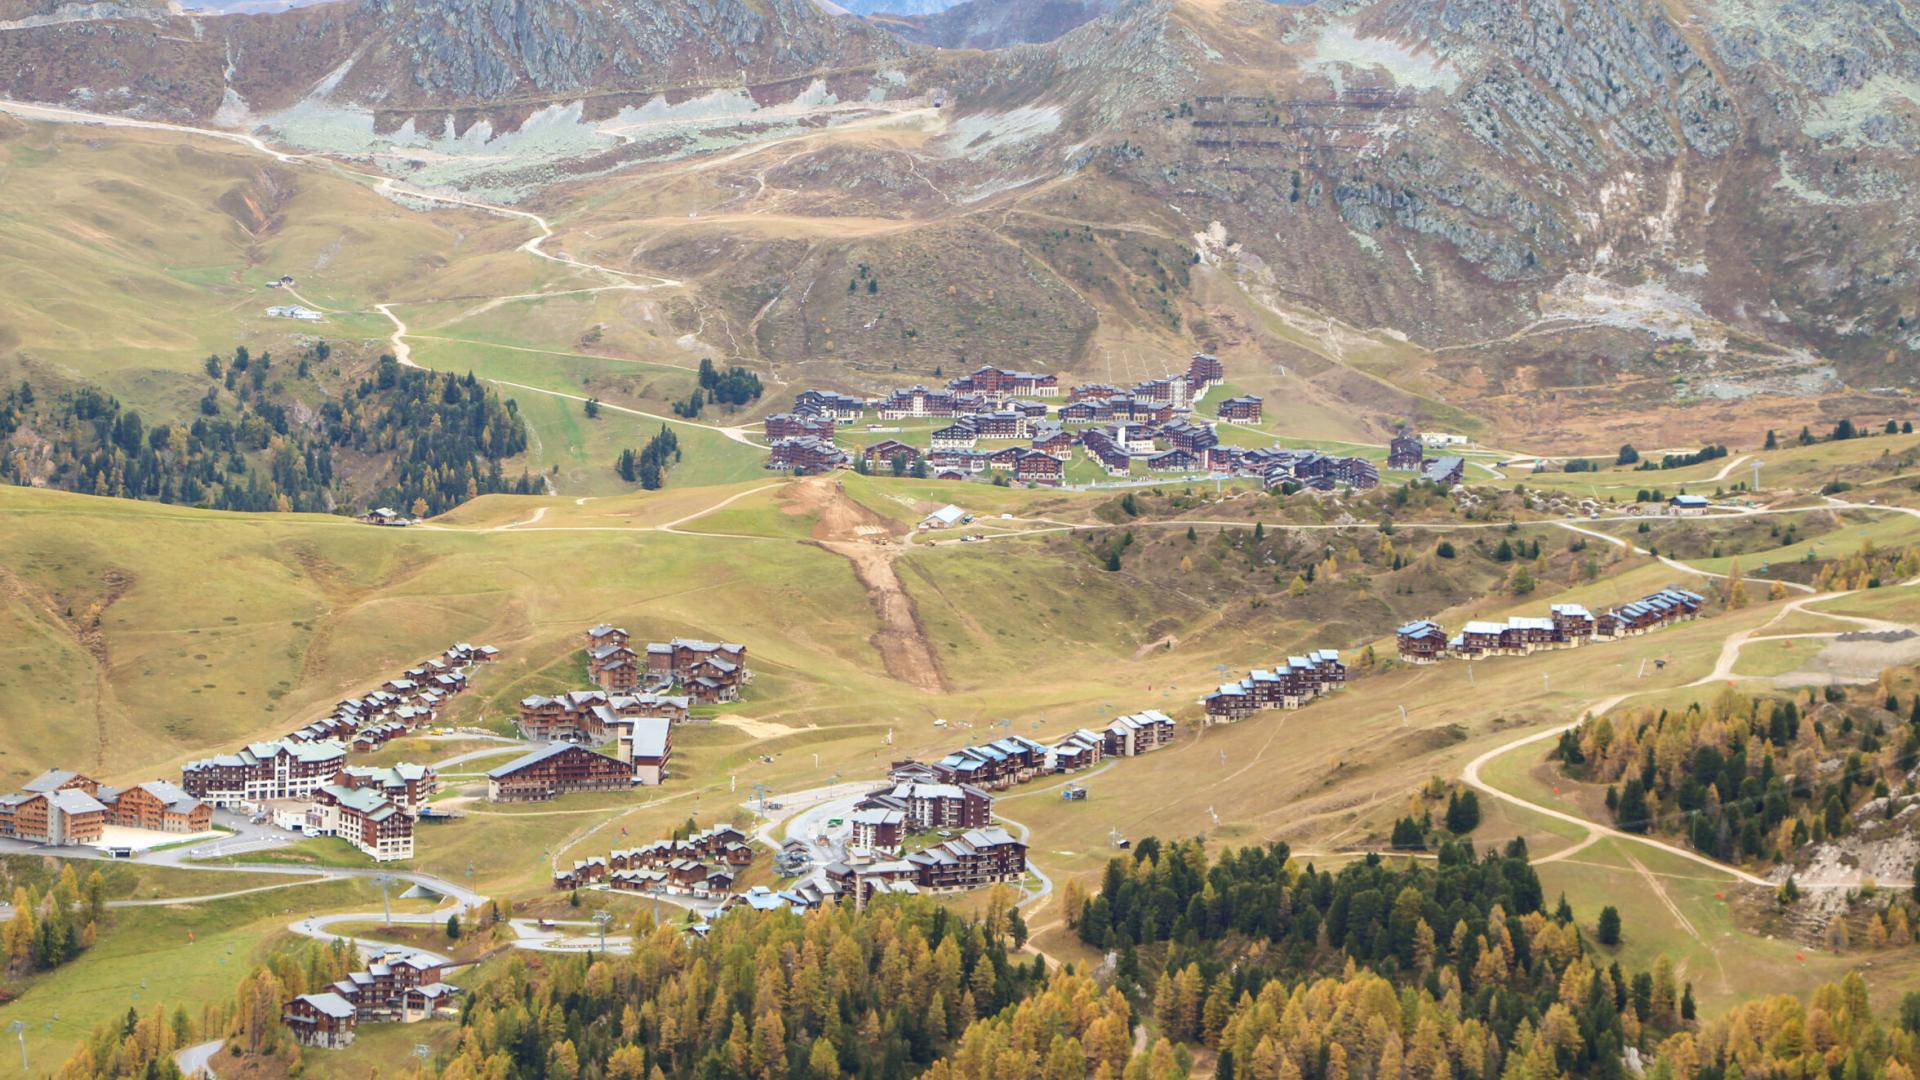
x,y
1403,716
386,905
423,1052
1469,674
1756,473
602,918
20,1030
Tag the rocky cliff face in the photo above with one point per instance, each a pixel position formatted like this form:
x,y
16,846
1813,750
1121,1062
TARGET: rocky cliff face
x,y
477,52
994,24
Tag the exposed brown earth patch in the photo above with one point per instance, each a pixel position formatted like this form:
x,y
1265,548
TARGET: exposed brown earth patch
x,y
865,539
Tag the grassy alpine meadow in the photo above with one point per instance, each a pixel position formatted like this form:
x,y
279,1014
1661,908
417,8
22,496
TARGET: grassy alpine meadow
x,y
184,954
145,251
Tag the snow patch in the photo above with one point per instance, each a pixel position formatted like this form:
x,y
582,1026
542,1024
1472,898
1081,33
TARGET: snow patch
x,y
1339,47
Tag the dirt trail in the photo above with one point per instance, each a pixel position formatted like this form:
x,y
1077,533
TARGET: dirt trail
x,y
867,540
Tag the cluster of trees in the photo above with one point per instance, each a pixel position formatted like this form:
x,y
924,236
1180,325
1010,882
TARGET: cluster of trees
x,y
142,1047
733,387
1869,567
1462,816
1740,777
52,926
648,467
1453,970
881,993
255,446
1844,429
1680,461
1174,893
444,435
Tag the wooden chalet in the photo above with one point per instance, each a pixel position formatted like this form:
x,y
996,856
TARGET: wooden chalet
x,y
998,384
1244,409
1445,471
883,455
325,1020
927,805
1421,642
1143,732
557,770
1192,436
793,425
829,405
1038,467
1290,686
877,830
806,455
1405,452
1204,372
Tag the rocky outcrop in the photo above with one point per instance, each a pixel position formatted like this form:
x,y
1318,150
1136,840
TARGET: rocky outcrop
x,y
994,24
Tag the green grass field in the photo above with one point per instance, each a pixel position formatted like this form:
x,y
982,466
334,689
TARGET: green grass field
x,y
186,954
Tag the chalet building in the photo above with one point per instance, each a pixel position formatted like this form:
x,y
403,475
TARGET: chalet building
x,y
156,805
1445,471
829,405
61,817
1092,391
396,985
685,659
1038,467
1190,436
1082,749
998,384
1421,642
605,634
1204,372
993,766
1170,391
919,403
1244,409
1008,424
369,739
364,818
614,668
972,860
262,772
1688,505
1051,438
883,454
796,426
1032,410
962,463
1080,412
1298,682
325,1020
1406,453
1131,736
925,805
1572,624
594,716
962,434
1003,459
878,831
406,785
1174,461
1106,453
647,743
806,455
1131,437
557,770
1312,469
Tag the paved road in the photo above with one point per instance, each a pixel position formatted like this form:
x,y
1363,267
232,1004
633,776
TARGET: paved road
x,y
193,1059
